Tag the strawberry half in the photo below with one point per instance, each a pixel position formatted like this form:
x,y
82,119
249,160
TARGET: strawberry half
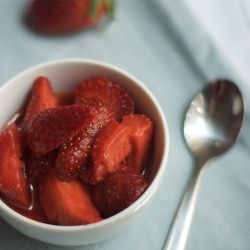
x,y
53,127
73,154
110,148
36,213
117,99
118,191
66,203
13,185
63,16
36,168
42,97
140,138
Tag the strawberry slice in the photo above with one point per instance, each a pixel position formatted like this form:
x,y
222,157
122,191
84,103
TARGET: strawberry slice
x,y
42,97
66,203
140,138
13,185
36,168
74,153
118,191
36,213
111,94
110,148
53,127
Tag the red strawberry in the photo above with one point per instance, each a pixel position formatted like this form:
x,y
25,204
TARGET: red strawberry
x,y
36,168
118,191
110,148
74,153
111,94
36,213
42,97
66,203
53,127
141,138
63,16
13,185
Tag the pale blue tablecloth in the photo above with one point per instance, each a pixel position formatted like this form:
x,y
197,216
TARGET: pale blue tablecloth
x,y
161,43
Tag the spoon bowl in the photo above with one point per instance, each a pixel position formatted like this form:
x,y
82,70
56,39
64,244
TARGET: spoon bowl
x,y
212,124
213,119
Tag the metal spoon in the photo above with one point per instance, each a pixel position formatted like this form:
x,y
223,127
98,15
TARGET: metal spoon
x,y
211,127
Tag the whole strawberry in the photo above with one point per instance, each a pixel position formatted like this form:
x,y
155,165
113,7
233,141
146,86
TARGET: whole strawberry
x,y
64,16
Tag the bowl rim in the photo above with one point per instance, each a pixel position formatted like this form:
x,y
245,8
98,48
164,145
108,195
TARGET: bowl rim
x,y
144,198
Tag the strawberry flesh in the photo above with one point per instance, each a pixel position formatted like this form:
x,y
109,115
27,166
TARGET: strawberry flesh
x,y
36,168
118,191
74,153
53,127
42,98
117,99
110,148
36,213
140,138
66,203
13,185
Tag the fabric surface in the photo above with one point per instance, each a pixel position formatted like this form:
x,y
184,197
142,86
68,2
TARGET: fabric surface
x,y
228,22
161,43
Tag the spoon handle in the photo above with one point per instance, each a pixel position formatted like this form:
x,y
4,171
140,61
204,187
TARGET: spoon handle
x,y
178,233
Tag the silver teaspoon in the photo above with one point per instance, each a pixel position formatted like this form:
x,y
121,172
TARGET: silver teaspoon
x,y
211,127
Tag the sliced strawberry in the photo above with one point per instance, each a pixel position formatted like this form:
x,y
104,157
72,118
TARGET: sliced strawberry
x,y
36,168
36,213
110,148
75,152
111,94
13,185
141,138
118,191
66,203
42,97
53,127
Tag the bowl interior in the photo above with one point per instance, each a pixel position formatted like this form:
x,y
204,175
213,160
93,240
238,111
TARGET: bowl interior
x,y
65,76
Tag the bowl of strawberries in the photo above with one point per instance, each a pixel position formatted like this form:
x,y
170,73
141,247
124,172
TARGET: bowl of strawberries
x,y
83,148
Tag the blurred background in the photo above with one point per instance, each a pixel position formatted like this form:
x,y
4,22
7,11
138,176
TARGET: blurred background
x,y
228,22
174,47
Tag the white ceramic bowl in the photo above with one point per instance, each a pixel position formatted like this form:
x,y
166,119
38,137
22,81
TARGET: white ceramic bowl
x,y
65,75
